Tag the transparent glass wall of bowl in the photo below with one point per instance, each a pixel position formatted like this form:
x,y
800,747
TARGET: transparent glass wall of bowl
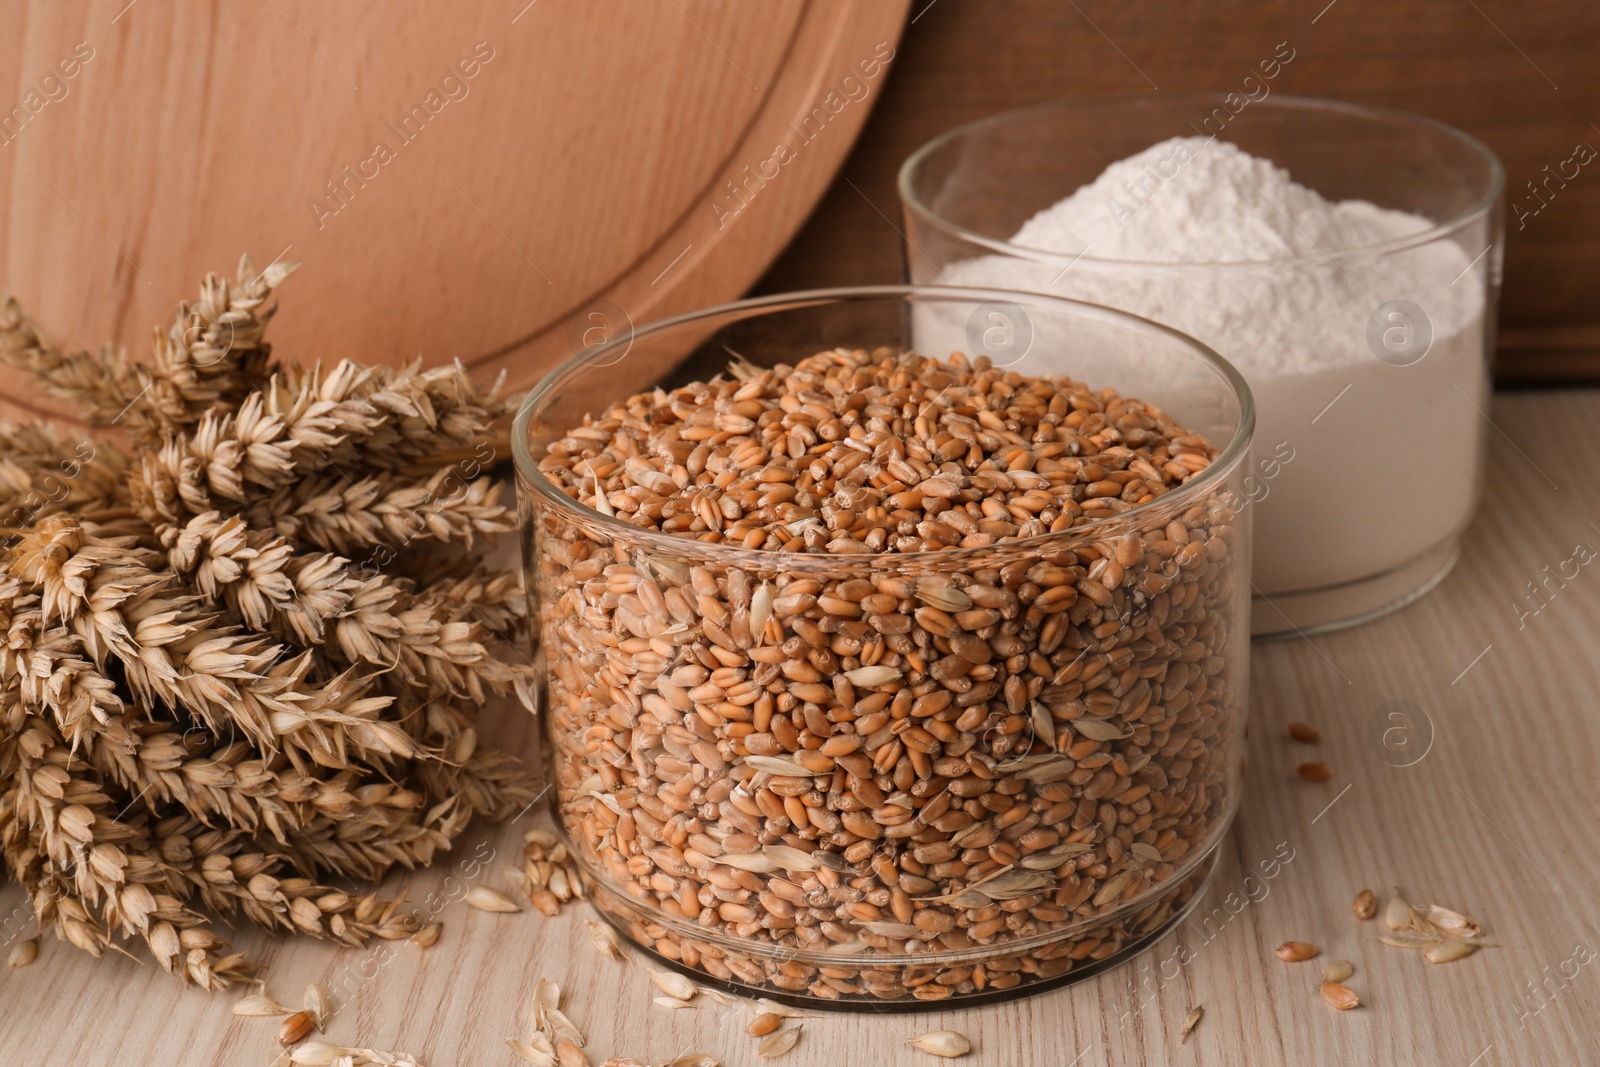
x,y
1416,318
996,834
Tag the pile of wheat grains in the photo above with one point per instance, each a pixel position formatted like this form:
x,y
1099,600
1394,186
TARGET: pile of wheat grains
x,y
908,746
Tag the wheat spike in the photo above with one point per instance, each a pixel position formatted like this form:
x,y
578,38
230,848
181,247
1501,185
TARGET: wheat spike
x,y
247,654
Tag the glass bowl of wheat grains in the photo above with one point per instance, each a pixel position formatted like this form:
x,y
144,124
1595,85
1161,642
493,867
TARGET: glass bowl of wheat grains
x,y
890,679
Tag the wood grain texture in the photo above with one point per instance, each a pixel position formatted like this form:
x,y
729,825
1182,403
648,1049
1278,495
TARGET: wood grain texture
x,y
1481,66
582,162
1495,818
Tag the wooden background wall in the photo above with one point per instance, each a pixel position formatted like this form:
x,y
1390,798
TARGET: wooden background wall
x,y
164,151
1523,77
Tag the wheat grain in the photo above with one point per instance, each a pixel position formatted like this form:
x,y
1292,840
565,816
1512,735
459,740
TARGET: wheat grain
x,y
1296,951
537,1051
1337,971
948,1044
1448,951
315,1003
1340,996
569,1054
1397,914
316,1054
295,1027
1315,772
1190,1021
546,997
604,938
778,1043
673,984
1451,922
485,899
1305,733
23,952
258,1004
326,1054
562,1029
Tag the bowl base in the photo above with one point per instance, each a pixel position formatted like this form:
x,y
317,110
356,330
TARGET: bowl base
x,y
1334,607
1198,885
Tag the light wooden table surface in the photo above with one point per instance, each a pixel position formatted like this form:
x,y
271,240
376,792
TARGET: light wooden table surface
x,y
1496,815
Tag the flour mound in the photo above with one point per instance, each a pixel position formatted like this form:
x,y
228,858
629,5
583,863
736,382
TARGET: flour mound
x,y
1193,200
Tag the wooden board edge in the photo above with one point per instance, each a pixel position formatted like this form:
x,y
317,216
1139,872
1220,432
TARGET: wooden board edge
x,y
706,256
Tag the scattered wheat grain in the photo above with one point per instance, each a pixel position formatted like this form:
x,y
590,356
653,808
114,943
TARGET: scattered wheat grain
x,y
1407,939
1296,951
546,997
563,1028
315,1003
1397,914
604,938
778,1043
1453,922
673,984
317,1054
24,952
1340,996
257,1005
948,1044
294,1027
1449,951
537,1051
485,899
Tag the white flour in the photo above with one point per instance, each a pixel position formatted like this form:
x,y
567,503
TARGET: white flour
x,y
1342,509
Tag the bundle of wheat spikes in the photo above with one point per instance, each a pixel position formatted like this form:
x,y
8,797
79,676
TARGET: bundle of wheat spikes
x,y
244,649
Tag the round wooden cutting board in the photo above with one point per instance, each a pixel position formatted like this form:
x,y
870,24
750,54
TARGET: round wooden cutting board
x,y
498,181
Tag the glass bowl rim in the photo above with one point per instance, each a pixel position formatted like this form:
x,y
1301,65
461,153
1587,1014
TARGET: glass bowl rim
x,y
760,558
1316,105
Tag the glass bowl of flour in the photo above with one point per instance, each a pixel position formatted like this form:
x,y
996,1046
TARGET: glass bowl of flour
x,y
1345,259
